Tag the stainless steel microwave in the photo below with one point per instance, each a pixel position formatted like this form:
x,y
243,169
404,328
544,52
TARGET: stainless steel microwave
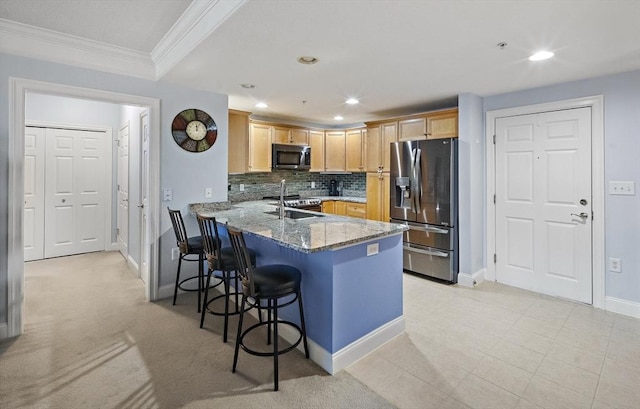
x,y
296,157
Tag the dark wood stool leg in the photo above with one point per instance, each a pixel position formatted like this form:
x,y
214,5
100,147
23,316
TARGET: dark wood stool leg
x,y
275,343
239,336
175,290
304,328
206,297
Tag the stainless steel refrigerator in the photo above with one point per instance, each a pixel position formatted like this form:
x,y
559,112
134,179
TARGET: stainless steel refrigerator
x,y
424,196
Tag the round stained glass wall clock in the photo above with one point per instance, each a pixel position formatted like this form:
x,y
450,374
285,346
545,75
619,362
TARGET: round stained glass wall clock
x,y
194,130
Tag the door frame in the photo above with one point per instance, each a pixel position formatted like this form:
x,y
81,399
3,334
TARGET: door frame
x,y
18,87
126,125
596,103
108,245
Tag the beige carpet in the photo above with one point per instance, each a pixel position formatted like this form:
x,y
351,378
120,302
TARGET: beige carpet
x,y
92,341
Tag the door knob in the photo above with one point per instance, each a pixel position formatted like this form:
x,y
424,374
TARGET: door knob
x,y
583,215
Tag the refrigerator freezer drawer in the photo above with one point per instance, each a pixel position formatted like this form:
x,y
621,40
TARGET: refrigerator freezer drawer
x,y
431,262
428,235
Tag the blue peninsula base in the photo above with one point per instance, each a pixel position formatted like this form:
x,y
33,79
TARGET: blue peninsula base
x,y
352,301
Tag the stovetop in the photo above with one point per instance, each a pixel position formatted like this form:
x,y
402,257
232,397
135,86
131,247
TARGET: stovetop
x,y
296,201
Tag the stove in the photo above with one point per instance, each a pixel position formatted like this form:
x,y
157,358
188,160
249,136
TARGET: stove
x,y
298,203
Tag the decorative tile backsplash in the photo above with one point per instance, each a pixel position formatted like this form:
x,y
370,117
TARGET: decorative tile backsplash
x,y
258,185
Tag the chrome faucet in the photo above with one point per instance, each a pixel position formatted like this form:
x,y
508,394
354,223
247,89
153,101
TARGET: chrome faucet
x,y
283,187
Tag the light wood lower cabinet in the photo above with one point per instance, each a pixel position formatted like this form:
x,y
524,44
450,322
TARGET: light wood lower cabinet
x,y
343,208
378,196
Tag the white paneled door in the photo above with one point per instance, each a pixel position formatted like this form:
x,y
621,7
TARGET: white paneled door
x,y
34,140
144,197
543,203
123,190
75,192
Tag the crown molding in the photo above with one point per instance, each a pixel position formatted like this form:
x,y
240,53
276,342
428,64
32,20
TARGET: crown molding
x,y
34,42
197,22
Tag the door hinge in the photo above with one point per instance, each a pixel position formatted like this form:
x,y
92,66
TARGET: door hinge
x,y
117,232
494,139
494,198
592,215
495,258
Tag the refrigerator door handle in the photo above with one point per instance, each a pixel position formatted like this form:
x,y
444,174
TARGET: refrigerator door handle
x,y
417,176
427,252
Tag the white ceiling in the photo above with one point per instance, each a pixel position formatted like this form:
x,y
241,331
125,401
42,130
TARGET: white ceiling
x,y
397,57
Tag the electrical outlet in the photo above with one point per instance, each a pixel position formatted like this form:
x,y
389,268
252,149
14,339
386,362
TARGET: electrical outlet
x,y
168,195
313,185
372,249
622,188
175,253
208,193
615,265
242,187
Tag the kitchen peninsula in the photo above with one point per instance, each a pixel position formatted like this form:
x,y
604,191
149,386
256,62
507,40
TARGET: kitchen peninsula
x,y
352,274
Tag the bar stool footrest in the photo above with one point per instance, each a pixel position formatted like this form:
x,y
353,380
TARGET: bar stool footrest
x,y
281,351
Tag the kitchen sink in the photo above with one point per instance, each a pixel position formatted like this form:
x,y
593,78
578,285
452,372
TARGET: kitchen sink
x,y
294,214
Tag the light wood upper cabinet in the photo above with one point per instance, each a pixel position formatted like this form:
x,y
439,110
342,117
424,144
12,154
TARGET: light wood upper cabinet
x,y
354,150
238,141
389,135
442,124
280,135
335,151
372,142
412,129
316,141
259,148
299,136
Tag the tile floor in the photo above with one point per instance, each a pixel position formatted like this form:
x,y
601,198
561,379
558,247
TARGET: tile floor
x,y
496,346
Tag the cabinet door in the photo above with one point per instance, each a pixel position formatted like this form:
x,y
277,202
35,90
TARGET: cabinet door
x,y
358,210
329,206
334,151
389,135
316,141
372,141
259,148
281,135
386,197
354,159
373,196
299,136
412,129
341,208
444,125
238,141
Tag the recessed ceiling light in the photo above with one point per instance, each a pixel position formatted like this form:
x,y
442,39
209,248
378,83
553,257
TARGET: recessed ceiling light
x,y
541,55
352,101
338,118
261,105
306,59
248,86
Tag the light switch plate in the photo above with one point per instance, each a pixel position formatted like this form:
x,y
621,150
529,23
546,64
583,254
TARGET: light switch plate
x,y
372,249
622,187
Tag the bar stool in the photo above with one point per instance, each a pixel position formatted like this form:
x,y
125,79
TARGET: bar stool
x,y
223,260
268,283
188,246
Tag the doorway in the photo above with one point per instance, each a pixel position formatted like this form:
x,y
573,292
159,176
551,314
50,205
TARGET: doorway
x,y
545,201
15,263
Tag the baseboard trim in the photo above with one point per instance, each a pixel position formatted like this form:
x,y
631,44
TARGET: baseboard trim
x,y
133,265
471,280
620,306
334,363
166,291
4,331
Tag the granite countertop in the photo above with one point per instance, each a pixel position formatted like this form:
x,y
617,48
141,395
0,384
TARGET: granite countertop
x,y
320,233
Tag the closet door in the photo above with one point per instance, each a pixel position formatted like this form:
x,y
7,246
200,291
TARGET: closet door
x,y
75,192
34,140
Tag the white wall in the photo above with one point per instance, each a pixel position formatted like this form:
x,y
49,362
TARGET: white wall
x,y
622,162
185,172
